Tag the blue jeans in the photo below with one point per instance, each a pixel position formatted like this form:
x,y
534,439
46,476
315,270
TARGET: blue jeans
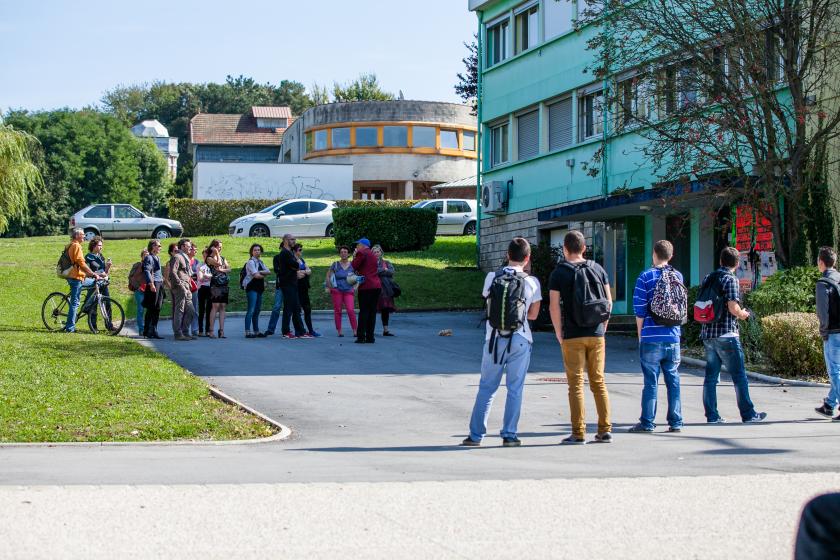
x,y
75,300
664,356
194,324
831,352
275,311
252,316
138,303
726,351
514,364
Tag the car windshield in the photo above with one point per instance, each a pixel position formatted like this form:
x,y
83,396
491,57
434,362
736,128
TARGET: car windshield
x,y
421,204
270,208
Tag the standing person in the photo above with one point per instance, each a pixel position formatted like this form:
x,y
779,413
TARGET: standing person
x,y
340,290
167,283
385,306
365,265
512,357
288,274
303,291
580,328
828,311
722,344
180,274
194,264
153,296
77,277
219,286
277,308
99,264
659,345
138,290
205,306
254,284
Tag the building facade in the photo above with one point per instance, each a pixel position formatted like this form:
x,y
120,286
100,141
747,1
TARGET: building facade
x,y
399,149
168,145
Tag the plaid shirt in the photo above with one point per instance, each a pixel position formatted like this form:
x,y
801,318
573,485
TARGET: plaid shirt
x,y
728,323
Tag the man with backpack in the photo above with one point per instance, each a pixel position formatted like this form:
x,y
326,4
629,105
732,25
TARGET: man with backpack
x,y
719,295
660,302
828,311
72,267
513,298
584,290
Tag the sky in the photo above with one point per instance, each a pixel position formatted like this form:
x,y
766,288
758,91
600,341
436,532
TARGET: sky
x,y
56,53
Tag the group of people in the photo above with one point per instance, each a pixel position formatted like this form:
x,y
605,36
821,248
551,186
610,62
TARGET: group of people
x,y
580,302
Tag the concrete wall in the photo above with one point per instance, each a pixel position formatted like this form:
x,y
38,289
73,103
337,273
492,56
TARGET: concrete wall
x,y
231,181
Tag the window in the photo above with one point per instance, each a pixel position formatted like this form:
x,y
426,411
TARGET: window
x,y
308,142
687,85
272,123
528,133
367,136
457,207
558,17
636,100
423,136
99,212
317,207
527,29
666,94
469,141
395,136
775,56
497,43
293,208
498,145
449,139
126,212
591,115
340,138
320,139
437,206
560,124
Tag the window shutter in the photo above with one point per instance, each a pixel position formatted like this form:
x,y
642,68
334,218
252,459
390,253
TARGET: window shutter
x,y
529,135
560,124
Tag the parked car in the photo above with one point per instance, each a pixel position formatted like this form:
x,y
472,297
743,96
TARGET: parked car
x,y
304,217
456,216
122,221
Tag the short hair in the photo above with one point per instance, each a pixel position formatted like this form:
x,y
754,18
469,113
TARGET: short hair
x,y
287,236
183,242
828,256
519,249
253,246
94,242
75,232
345,247
664,250
574,242
172,247
730,257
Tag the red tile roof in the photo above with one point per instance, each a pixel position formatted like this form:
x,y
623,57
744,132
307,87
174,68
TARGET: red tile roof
x,y
240,130
271,112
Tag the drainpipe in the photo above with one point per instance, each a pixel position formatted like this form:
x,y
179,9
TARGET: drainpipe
x,y
606,108
479,147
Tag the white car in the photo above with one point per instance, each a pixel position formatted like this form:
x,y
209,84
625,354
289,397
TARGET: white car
x,y
456,216
304,217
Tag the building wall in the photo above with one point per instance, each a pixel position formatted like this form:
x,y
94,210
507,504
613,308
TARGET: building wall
x,y
268,154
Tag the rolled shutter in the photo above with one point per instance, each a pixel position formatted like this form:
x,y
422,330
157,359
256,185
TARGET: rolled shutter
x,y
529,135
560,125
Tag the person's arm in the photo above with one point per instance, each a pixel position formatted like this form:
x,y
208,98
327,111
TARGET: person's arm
x,y
327,283
225,266
736,309
640,305
75,254
556,314
358,259
733,297
148,270
822,307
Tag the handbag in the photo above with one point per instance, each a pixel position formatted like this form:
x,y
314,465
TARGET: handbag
x,y
193,286
396,291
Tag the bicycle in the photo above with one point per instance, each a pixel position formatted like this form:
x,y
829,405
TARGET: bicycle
x,y
55,308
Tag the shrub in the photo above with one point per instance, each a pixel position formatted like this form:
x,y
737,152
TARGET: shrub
x,y
786,291
544,259
212,217
396,229
376,203
691,330
792,343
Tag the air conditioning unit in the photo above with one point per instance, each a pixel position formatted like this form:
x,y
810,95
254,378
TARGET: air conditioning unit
x,y
494,197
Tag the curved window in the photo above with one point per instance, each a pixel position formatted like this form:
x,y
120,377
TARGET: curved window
x,y
469,141
395,136
449,139
367,136
423,136
320,139
341,138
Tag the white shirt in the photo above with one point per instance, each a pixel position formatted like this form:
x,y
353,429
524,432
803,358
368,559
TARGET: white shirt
x,y
532,294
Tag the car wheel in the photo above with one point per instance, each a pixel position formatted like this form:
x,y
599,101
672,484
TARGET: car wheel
x,y
259,230
330,231
469,229
162,233
90,233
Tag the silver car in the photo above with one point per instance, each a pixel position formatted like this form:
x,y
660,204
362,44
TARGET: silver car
x,y
456,216
123,221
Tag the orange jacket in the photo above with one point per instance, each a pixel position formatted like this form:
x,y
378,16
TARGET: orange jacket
x,y
74,251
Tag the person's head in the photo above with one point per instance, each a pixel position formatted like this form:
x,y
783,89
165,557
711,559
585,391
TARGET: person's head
x,y
288,241
663,252
143,253
214,246
826,259
154,246
298,249
574,244
256,250
184,245
95,245
78,234
519,251
729,257
193,250
344,252
363,243
172,247
377,251
204,253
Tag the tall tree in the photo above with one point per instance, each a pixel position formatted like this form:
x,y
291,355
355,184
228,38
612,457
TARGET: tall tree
x,y
364,88
467,86
19,177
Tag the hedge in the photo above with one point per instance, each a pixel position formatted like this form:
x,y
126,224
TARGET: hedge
x,y
786,291
376,203
212,217
395,229
792,343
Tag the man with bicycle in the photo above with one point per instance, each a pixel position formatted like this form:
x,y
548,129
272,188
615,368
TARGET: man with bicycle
x,y
77,278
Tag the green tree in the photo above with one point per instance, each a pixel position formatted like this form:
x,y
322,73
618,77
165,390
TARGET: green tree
x,y
364,88
154,177
19,176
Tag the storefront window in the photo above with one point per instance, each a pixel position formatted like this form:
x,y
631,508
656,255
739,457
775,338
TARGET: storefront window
x,y
609,249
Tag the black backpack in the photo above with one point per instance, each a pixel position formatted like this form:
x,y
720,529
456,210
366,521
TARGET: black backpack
x,y
590,301
506,310
710,304
833,302
242,274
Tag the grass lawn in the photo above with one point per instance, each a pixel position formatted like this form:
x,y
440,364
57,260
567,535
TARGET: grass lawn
x,y
83,387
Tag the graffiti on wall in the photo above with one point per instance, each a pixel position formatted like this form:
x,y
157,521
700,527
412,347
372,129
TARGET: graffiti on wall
x,y
232,181
243,186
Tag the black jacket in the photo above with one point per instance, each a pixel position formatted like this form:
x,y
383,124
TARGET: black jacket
x,y
286,268
823,296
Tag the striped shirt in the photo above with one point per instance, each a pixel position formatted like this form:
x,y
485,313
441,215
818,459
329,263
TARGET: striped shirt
x,y
642,294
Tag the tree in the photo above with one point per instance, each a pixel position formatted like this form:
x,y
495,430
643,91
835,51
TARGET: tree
x,y
742,95
19,176
364,88
467,86
319,94
154,176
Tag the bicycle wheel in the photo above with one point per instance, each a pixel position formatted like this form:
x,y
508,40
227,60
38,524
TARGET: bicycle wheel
x,y
54,311
111,315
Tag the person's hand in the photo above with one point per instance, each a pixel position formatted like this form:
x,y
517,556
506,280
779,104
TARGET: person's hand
x,y
745,314
153,288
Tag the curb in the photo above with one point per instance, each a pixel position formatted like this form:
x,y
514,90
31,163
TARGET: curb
x,y
761,376
329,312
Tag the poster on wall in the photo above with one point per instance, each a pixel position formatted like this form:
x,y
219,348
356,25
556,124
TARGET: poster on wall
x,y
752,235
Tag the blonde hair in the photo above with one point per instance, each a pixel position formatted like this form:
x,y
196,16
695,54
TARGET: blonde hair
x,y
377,246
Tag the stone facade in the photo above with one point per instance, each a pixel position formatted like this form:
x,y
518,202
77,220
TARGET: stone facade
x,y
496,233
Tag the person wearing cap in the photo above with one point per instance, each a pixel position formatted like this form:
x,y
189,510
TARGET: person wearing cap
x,y
365,264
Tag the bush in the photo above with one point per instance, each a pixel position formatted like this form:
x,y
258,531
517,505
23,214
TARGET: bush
x,y
691,330
792,343
376,203
544,259
212,217
396,229
786,291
